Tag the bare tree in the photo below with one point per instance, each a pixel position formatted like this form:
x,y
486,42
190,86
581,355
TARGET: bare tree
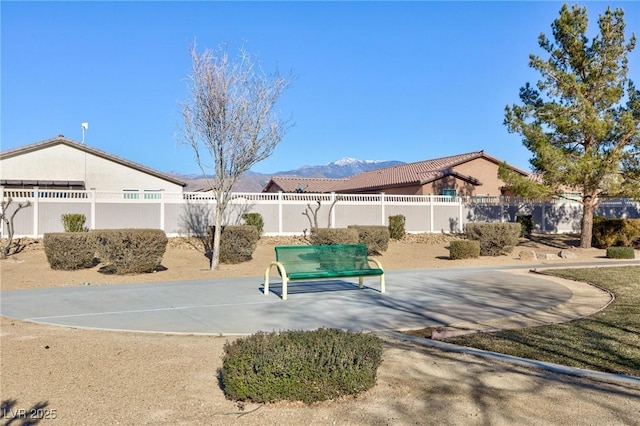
x,y
310,212
229,121
8,218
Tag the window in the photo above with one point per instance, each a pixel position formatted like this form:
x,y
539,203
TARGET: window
x,y
449,192
131,194
150,194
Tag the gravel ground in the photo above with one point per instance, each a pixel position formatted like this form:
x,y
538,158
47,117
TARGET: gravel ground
x,y
72,376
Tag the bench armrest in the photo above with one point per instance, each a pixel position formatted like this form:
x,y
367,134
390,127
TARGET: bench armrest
x,y
283,274
382,279
378,264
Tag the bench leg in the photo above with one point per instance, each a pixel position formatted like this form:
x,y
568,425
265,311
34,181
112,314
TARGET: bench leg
x,y
266,282
361,282
284,287
382,283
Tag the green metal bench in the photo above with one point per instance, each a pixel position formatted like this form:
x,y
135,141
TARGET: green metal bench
x,y
296,263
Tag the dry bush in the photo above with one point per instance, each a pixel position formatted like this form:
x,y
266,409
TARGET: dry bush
x,y
69,251
131,251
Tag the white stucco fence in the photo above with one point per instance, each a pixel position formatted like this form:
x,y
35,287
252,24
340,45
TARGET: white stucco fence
x,y
182,213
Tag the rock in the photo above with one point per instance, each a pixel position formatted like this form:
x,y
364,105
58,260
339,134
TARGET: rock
x,y
527,255
567,254
547,256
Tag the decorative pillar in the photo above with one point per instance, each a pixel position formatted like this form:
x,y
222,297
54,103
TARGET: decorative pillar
x,y
36,213
279,212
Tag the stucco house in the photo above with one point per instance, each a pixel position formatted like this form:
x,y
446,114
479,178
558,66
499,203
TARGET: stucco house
x,y
61,163
312,185
470,174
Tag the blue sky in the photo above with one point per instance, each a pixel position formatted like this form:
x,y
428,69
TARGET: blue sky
x,y
404,81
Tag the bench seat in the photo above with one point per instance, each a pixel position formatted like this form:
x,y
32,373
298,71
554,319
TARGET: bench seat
x,y
330,274
323,262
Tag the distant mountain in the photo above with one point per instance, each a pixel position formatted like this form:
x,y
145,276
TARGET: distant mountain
x,y
339,169
255,182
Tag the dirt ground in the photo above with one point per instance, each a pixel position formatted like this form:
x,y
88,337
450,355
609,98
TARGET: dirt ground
x,y
72,376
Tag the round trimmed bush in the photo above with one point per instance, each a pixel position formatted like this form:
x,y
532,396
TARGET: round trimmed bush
x,y
495,238
131,251
327,236
69,250
464,249
621,253
306,366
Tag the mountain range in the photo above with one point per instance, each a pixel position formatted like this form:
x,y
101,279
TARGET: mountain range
x,y
255,182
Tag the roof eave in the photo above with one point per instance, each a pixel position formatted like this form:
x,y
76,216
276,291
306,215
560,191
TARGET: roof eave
x,y
69,142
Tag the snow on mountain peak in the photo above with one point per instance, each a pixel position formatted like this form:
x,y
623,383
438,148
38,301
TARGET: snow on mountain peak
x,y
347,161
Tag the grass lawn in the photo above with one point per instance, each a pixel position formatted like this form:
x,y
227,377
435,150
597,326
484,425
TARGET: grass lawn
x,y
608,341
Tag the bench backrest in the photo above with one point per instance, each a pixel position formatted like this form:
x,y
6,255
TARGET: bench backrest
x,y
336,258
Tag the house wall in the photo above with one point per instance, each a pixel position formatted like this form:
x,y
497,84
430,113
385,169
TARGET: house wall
x,y
486,172
401,190
63,162
462,187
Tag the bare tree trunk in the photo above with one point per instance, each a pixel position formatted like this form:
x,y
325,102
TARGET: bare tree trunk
x,y
587,225
8,221
333,204
217,232
314,223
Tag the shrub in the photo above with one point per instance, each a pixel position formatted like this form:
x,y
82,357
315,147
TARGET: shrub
x,y
131,251
621,253
376,238
327,236
464,249
495,238
615,232
396,226
237,243
69,251
254,219
73,222
526,223
306,366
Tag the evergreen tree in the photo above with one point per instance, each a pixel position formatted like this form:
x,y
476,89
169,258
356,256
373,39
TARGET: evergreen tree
x,y
581,121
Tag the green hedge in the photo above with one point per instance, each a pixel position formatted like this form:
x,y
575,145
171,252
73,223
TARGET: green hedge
x,y
73,222
254,219
526,223
621,253
464,249
69,250
396,226
376,238
326,236
131,251
495,238
306,366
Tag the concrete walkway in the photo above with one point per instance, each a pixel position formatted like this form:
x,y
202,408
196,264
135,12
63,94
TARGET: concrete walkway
x,y
414,299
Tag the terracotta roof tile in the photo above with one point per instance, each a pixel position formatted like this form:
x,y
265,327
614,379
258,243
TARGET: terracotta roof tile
x,y
302,184
417,173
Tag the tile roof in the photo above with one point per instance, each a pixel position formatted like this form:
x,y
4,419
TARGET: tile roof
x,y
88,149
418,173
303,184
